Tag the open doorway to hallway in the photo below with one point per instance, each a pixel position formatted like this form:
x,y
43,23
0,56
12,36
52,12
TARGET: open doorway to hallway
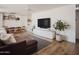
x,y
77,23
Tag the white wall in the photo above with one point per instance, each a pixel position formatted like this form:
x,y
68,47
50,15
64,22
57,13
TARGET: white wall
x,y
16,23
65,13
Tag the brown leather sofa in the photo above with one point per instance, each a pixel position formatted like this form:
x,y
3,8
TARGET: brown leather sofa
x,y
22,47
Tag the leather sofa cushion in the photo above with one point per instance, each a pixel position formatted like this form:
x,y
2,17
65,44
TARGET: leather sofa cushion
x,y
23,36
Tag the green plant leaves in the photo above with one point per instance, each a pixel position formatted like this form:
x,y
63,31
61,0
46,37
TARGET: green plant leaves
x,y
61,26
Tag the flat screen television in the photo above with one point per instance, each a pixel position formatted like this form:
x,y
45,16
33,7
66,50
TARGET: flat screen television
x,y
44,23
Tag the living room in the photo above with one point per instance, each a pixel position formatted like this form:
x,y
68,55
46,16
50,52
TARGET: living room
x,y
22,22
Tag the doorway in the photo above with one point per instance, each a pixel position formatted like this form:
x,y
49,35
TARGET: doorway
x,y
77,25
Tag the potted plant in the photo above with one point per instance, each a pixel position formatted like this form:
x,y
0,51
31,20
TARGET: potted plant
x,y
60,26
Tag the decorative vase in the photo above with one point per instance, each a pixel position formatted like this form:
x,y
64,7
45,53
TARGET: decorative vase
x,y
58,37
54,35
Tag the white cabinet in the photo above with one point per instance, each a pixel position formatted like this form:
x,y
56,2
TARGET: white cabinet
x,y
43,32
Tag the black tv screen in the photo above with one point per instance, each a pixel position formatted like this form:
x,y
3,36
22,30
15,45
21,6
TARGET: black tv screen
x,y
44,23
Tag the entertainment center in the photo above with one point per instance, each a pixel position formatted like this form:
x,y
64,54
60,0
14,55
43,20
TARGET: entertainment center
x,y
42,28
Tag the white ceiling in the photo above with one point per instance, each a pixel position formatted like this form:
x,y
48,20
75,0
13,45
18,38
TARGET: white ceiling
x,y
22,8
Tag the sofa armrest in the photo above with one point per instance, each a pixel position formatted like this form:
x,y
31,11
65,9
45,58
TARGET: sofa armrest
x,y
13,48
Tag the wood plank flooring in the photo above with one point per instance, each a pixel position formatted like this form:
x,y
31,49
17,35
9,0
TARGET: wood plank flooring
x,y
58,48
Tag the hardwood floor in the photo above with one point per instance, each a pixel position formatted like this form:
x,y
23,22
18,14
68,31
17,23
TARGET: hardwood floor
x,y
59,48
77,46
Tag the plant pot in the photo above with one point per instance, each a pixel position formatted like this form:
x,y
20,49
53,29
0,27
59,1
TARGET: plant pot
x,y
58,37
